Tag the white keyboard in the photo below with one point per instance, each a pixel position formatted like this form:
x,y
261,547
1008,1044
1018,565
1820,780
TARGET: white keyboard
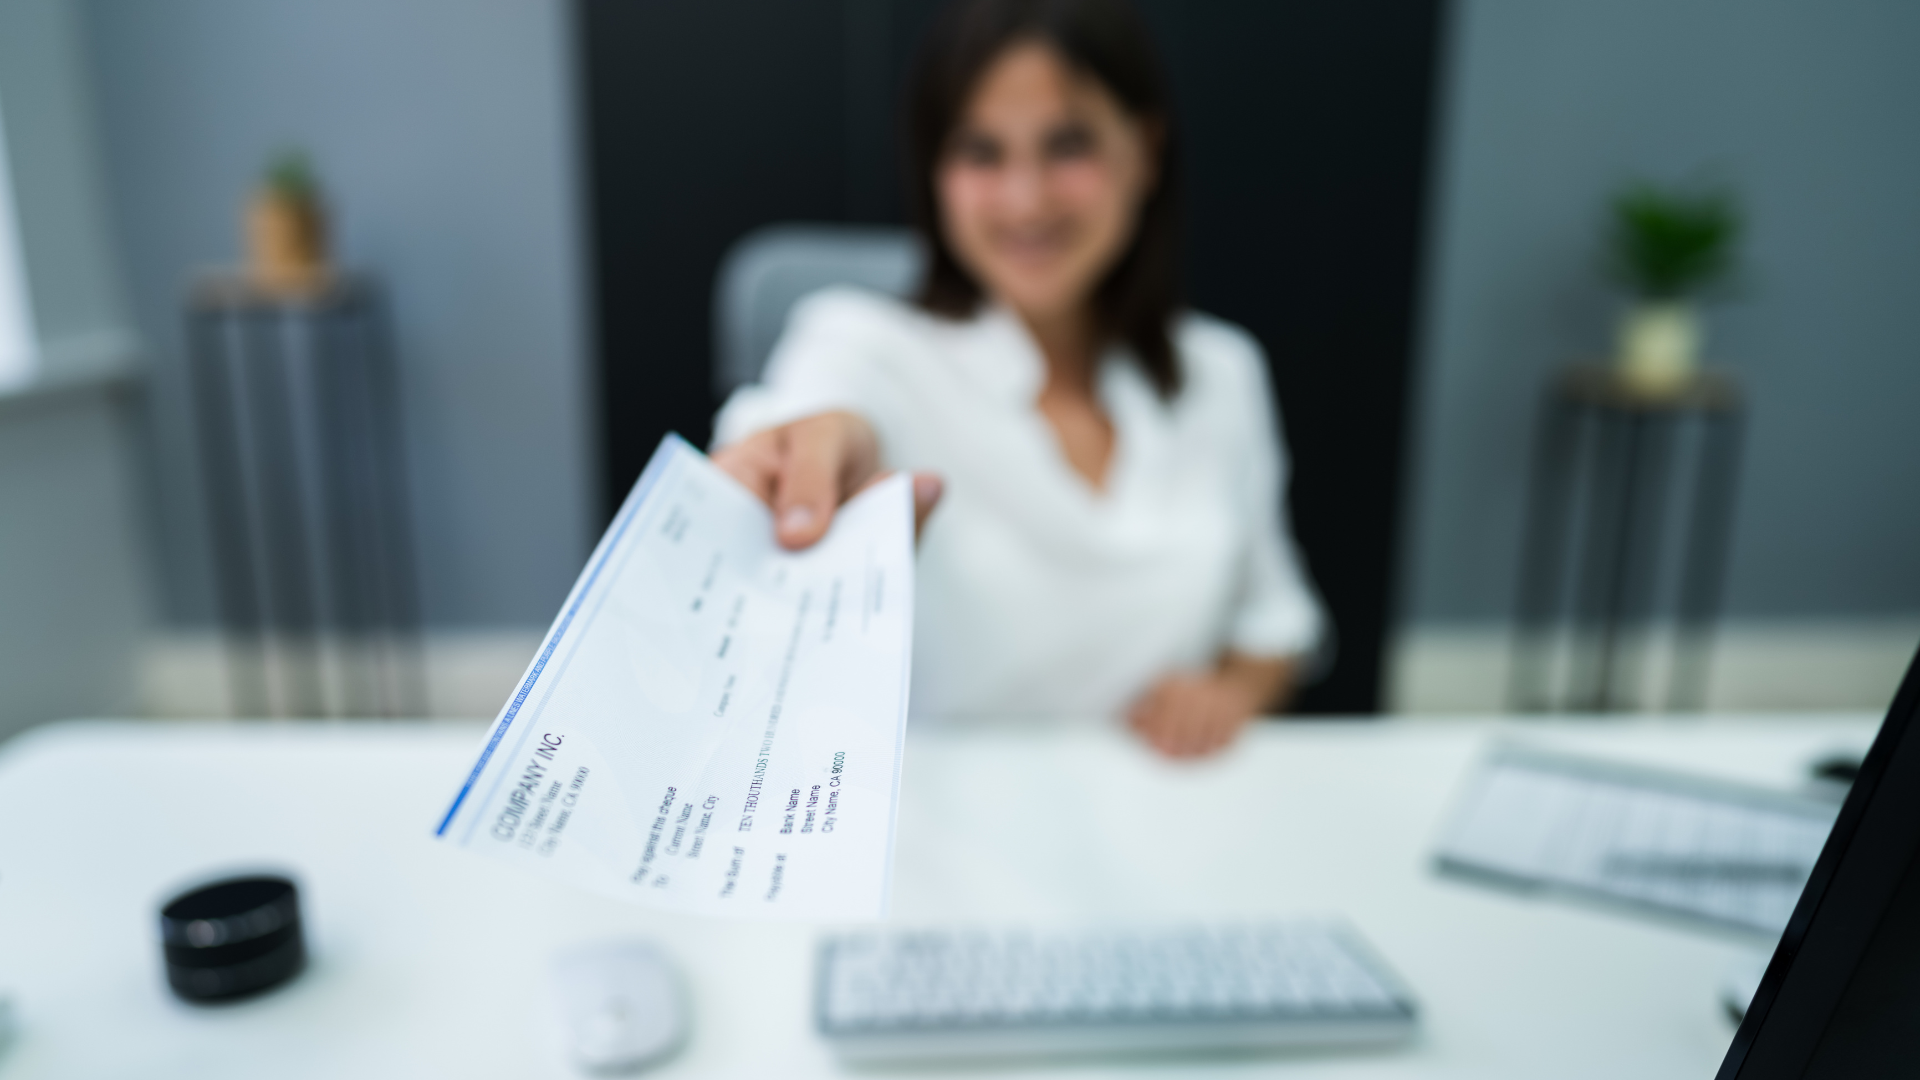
x,y
1701,849
950,994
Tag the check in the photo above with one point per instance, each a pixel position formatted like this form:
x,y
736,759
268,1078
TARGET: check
x,y
713,724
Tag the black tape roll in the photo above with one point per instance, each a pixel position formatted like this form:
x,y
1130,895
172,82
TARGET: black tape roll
x,y
232,937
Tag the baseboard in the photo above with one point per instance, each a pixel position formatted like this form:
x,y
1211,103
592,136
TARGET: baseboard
x,y
1755,666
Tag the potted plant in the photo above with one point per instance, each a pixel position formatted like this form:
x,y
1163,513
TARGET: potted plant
x,y
1670,245
286,229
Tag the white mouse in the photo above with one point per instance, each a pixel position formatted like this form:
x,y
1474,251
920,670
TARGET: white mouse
x,y
622,1005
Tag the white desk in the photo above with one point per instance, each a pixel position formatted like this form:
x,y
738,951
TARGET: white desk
x,y
429,962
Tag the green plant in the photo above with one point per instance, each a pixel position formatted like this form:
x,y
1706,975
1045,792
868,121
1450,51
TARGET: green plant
x,y
290,176
1672,243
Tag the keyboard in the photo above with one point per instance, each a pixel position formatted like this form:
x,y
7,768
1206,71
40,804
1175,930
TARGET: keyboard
x,y
1643,839
944,995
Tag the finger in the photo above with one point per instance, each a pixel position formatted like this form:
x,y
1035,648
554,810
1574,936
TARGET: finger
x,y
1163,715
1222,736
1164,741
1151,725
1214,739
1198,732
753,461
1145,722
1143,714
927,489
1196,724
1170,735
1169,707
808,485
1189,736
1231,733
1225,729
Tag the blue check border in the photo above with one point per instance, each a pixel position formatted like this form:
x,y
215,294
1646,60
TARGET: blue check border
x,y
670,448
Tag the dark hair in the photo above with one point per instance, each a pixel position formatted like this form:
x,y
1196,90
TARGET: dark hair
x,y
1106,39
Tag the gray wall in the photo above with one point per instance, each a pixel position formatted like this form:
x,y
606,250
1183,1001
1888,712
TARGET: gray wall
x,y
53,155
442,127
1810,110
73,603
441,130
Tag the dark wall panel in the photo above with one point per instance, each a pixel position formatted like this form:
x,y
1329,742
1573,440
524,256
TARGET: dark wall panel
x,y
705,118
1304,133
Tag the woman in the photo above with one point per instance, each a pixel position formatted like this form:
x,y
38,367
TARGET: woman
x,y
1110,538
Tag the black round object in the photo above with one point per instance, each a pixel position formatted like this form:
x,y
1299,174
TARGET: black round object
x,y
232,938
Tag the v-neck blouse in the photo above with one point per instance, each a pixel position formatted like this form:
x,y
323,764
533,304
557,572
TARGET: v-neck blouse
x,y
1035,593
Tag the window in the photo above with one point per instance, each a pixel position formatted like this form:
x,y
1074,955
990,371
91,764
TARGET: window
x,y
18,350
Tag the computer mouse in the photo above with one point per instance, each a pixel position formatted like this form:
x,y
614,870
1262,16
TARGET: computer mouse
x,y
622,1004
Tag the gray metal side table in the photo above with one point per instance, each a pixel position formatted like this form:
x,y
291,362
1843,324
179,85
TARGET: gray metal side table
x,y
1627,535
298,416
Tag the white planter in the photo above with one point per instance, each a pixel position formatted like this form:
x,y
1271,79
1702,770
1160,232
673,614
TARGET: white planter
x,y
1659,345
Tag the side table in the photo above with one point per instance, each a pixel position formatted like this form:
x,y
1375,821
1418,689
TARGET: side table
x,y
1628,527
298,415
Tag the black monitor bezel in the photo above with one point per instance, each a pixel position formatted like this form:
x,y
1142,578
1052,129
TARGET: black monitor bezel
x,y
1792,1034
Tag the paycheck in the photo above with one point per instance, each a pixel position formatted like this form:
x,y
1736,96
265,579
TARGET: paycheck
x,y
713,724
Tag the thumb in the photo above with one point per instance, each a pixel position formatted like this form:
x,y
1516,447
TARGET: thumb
x,y
808,486
927,489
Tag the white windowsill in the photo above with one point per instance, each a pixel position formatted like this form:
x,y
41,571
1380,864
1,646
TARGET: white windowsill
x,y
102,360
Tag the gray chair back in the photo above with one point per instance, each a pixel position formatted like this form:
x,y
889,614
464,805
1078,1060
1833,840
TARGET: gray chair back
x,y
769,269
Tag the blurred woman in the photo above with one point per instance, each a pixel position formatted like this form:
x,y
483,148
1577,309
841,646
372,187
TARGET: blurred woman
x,y
1110,540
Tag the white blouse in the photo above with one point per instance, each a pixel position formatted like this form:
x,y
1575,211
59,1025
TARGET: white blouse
x,y
1036,593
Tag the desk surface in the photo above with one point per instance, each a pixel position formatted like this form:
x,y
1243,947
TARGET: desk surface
x,y
428,961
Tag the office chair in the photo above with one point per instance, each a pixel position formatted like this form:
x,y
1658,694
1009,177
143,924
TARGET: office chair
x,y
766,271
